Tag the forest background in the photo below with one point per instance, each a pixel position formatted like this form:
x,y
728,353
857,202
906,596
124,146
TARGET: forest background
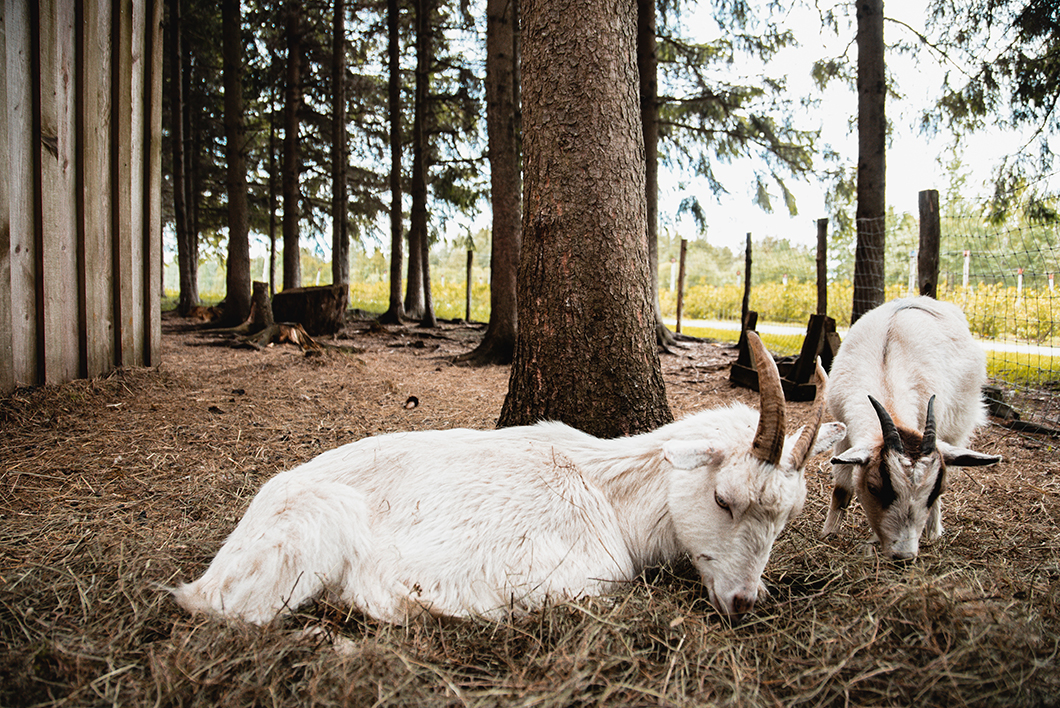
x,y
712,190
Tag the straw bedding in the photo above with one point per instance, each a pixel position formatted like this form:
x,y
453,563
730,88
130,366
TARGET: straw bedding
x,y
114,488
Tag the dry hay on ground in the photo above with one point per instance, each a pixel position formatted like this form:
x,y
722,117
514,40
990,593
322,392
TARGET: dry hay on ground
x,y
111,489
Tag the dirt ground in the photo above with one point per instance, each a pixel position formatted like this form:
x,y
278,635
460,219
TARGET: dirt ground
x,y
114,488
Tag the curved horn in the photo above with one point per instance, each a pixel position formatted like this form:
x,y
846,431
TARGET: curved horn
x,y
800,453
769,438
928,446
891,439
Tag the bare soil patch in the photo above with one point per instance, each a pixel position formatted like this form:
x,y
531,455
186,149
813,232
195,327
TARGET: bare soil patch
x,y
112,489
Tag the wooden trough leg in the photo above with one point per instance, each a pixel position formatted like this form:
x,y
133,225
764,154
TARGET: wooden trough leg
x,y
743,372
821,340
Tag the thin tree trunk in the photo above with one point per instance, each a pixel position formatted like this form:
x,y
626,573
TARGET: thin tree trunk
x,y
292,259
586,353
188,257
872,161
395,310
340,247
238,292
417,297
502,125
188,297
647,65
272,200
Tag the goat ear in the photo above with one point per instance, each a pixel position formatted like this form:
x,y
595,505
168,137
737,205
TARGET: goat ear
x,y
962,457
686,455
829,435
859,456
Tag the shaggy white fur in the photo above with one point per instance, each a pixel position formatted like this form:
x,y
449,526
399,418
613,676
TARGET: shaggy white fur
x,y
485,523
902,354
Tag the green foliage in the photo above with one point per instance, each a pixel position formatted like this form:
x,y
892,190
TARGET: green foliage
x,y
449,299
460,181
1009,80
707,120
371,297
1003,312
993,311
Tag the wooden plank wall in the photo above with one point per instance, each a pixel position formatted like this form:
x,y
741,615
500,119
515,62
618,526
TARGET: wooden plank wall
x,y
80,197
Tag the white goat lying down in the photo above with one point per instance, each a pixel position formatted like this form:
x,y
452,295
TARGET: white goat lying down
x,y
906,366
483,523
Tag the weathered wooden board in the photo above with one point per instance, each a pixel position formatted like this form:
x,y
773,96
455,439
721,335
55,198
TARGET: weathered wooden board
x,y
80,208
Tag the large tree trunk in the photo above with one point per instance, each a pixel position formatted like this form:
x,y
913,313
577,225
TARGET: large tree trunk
x,y
340,236
418,303
502,126
237,296
647,67
872,162
393,53
189,296
292,258
586,353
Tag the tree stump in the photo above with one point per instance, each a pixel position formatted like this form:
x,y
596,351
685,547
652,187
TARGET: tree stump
x,y
260,308
320,310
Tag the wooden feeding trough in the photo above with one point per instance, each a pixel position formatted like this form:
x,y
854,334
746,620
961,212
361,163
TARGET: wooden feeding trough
x,y
796,373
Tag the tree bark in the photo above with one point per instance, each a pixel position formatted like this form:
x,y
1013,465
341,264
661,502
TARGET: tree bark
x,y
647,66
586,352
237,296
396,308
187,247
340,235
502,127
872,162
292,259
191,178
319,309
260,308
418,305
272,199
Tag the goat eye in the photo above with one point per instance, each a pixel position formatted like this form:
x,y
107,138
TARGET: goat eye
x,y
722,503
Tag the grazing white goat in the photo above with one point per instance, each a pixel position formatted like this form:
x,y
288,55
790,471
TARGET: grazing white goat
x,y
905,367
483,523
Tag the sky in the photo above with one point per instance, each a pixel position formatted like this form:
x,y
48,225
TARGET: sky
x,y
913,159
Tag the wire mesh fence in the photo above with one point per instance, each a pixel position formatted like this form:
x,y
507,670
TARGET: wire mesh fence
x,y
1003,277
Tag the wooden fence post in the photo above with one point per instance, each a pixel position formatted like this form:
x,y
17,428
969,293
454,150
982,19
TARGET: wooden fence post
x,y
467,295
822,266
681,284
930,234
746,306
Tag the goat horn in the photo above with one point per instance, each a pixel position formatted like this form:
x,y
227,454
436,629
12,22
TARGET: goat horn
x,y
891,439
928,446
769,438
800,453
